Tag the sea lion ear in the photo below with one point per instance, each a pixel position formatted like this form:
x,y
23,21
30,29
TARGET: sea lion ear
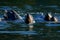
x,y
5,10
13,10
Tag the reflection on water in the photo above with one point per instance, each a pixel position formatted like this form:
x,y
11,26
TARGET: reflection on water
x,y
54,25
30,27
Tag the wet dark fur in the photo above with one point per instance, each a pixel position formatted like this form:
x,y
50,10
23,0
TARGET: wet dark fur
x,y
27,19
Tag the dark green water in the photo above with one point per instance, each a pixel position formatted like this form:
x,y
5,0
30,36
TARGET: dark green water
x,y
42,32
39,31
21,31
